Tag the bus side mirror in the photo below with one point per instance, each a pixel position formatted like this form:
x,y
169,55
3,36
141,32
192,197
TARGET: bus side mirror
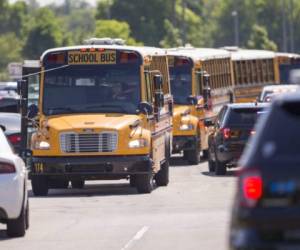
x,y
32,111
159,99
158,81
146,108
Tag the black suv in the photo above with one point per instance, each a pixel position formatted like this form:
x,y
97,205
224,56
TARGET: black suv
x,y
232,128
266,210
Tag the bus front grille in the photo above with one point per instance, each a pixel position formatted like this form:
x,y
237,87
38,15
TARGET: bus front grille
x,y
88,143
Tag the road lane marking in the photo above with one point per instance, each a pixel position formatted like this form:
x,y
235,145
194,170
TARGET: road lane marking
x,y
136,237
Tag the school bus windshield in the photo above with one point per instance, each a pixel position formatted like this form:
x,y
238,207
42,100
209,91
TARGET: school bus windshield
x,y
181,84
92,89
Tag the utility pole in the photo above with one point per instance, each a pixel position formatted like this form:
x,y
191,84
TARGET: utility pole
x,y
291,25
183,6
235,15
284,29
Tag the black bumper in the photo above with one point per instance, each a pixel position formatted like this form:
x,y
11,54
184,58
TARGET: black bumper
x,y
184,143
91,166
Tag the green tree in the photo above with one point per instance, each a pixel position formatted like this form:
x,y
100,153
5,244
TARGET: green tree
x,y
114,29
259,39
10,49
172,37
45,33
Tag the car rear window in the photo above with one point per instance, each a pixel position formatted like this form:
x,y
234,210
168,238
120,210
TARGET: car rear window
x,y
243,116
281,137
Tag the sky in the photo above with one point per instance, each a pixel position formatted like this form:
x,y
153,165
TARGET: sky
x,y
45,2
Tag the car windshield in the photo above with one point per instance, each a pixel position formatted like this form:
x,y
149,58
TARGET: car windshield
x,y
245,117
181,84
86,89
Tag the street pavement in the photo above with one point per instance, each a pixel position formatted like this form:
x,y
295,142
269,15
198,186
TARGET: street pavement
x,y
192,213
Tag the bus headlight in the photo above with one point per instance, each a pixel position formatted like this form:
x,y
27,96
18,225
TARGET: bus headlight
x,y
138,143
42,145
185,127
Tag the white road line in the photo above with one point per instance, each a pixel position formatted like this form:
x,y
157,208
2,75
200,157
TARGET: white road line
x,y
136,237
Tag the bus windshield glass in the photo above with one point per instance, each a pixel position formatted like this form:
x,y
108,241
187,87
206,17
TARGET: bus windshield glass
x,y
181,84
92,89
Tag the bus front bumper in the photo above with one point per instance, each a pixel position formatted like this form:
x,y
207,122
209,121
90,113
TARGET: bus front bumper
x,y
91,166
184,143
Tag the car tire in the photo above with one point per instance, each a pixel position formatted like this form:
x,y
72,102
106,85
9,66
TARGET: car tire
x,y
27,215
220,168
132,180
78,184
144,183
162,177
39,185
17,227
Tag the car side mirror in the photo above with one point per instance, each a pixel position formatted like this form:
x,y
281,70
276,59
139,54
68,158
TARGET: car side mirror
x,y
158,81
146,108
32,111
192,100
209,123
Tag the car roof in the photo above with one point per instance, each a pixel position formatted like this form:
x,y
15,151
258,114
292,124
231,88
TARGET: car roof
x,y
282,86
248,105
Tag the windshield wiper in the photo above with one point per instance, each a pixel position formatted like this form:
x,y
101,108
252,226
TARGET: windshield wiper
x,y
57,110
96,106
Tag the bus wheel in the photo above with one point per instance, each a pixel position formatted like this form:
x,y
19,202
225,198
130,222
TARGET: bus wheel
x,y
220,168
39,185
132,180
79,184
144,183
162,177
205,154
194,155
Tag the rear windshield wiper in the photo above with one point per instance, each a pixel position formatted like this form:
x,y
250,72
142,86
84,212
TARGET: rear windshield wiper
x,y
116,106
57,110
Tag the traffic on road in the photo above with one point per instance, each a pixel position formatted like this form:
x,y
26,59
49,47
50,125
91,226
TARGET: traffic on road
x,y
134,147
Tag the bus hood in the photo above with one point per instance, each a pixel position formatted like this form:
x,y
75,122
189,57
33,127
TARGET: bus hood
x,y
95,121
181,111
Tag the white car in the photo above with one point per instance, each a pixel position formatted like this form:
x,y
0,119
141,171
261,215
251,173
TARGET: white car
x,y
14,206
268,92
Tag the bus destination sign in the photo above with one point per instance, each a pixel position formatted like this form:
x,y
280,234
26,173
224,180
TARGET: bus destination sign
x,y
97,57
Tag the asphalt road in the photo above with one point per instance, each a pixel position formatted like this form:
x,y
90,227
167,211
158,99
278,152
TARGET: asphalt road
x,y
192,213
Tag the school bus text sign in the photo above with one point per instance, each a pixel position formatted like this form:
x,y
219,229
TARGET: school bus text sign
x,y
103,57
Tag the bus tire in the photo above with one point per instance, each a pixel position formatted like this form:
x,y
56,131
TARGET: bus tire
x,y
79,184
194,154
205,154
220,168
162,177
39,185
132,180
144,183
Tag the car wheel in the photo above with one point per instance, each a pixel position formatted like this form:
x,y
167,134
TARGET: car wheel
x,y
162,177
144,183
17,227
27,215
79,184
220,168
132,180
39,185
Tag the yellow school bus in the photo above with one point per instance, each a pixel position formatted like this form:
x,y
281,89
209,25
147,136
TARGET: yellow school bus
x,y
253,69
201,83
288,62
104,113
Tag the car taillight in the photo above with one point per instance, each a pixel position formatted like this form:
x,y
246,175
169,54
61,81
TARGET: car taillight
x,y
252,132
7,168
14,139
226,133
251,184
